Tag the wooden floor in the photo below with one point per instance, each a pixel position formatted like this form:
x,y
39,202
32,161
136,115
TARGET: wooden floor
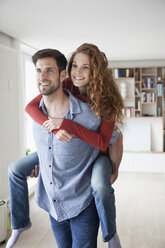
x,y
140,202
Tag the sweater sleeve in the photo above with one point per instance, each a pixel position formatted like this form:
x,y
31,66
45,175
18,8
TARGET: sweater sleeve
x,y
99,140
32,109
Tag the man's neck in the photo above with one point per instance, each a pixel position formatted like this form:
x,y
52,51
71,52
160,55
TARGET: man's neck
x,y
57,104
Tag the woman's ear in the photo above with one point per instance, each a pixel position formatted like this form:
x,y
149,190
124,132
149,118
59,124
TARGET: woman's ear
x,y
63,75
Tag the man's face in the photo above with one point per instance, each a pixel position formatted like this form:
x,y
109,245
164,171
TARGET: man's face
x,y
48,78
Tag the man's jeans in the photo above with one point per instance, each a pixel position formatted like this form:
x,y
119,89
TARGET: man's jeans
x,y
80,231
102,192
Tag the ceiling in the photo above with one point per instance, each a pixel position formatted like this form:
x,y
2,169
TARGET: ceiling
x,y
123,29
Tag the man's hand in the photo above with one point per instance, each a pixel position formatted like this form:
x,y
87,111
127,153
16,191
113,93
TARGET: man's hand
x,y
52,124
115,155
34,172
63,135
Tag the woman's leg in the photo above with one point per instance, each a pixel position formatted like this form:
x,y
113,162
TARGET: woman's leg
x,y
18,172
104,196
19,200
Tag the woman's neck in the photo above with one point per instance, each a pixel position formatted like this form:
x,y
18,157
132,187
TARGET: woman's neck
x,y
83,91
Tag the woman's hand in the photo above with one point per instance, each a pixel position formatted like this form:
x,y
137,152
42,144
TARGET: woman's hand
x,y
52,124
114,176
63,135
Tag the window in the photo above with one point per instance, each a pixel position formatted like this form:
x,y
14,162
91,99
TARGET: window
x,y
31,91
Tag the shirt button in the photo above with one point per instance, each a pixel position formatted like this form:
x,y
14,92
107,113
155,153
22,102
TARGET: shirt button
x,y
50,182
54,200
50,165
49,147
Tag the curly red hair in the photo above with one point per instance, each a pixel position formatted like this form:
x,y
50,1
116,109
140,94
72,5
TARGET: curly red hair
x,y
105,98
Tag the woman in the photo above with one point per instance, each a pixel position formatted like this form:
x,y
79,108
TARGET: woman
x,y
88,69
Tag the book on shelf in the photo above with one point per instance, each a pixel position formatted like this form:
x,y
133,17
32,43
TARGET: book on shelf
x,y
138,105
130,112
148,97
137,91
148,82
153,97
159,111
137,75
123,73
144,99
143,84
159,89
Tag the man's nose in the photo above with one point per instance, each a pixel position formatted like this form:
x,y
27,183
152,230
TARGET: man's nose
x,y
43,74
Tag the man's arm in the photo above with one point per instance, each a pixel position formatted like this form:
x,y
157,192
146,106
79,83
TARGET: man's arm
x,y
115,155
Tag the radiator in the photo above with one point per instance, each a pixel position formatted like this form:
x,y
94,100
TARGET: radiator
x,y
3,221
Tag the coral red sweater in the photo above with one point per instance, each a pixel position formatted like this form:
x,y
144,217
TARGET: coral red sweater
x,y
100,140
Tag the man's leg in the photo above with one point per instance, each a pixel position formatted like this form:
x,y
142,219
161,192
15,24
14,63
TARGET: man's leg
x,y
105,199
62,233
84,228
19,201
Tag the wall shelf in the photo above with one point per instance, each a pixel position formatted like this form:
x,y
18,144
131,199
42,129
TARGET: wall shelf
x,y
146,90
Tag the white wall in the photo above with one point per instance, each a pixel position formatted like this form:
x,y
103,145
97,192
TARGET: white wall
x,y
137,63
146,134
11,107
143,162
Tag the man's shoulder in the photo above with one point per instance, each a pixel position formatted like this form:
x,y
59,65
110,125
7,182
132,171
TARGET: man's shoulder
x,y
79,104
83,115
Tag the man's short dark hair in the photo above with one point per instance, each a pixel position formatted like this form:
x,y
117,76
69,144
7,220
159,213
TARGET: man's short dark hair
x,y
51,53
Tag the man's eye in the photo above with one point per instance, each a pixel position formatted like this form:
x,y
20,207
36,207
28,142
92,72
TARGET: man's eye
x,y
38,70
50,70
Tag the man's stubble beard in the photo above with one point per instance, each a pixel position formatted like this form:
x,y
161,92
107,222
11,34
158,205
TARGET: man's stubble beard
x,y
51,90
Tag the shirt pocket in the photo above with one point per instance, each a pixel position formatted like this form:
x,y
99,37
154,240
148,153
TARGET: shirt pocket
x,y
74,147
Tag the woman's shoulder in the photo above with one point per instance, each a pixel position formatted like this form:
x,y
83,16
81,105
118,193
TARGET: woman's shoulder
x,y
67,84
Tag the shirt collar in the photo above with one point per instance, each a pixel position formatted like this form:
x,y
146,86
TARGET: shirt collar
x,y
75,107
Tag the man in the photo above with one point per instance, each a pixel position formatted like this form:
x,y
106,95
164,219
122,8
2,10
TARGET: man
x,y
65,168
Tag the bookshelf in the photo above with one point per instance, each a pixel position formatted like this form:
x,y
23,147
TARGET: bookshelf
x,y
144,92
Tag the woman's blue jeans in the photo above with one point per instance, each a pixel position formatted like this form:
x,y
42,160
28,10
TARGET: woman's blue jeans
x,y
18,172
103,193
104,196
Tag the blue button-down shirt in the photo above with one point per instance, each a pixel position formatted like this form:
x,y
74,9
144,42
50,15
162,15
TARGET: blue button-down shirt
x,y
64,183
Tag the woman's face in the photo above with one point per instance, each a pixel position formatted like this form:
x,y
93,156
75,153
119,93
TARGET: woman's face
x,y
80,71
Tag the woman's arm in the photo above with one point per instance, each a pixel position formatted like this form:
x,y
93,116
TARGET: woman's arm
x,y
99,140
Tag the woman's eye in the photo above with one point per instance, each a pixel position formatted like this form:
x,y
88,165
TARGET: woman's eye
x,y
73,65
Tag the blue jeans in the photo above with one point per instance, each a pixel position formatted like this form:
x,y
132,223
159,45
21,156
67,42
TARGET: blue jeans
x,y
102,192
104,196
80,231
18,172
